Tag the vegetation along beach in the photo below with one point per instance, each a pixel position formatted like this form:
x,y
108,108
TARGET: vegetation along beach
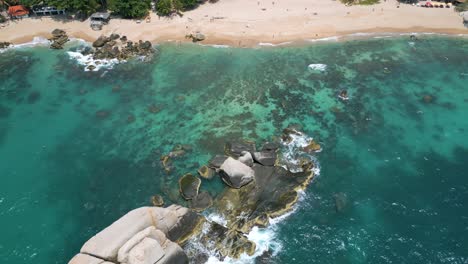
x,y
233,131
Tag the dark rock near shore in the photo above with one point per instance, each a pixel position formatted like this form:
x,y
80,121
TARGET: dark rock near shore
x,y
196,37
235,173
59,38
4,45
100,42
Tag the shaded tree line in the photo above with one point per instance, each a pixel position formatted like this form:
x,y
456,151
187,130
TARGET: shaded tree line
x,y
124,8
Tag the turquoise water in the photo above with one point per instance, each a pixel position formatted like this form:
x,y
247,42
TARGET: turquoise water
x,y
79,149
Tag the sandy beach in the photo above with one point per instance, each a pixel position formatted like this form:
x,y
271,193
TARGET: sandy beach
x,y
247,23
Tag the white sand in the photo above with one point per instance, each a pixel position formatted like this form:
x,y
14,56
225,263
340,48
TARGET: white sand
x,y
249,22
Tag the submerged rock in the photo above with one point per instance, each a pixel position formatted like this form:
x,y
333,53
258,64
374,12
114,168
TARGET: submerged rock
x,y
206,172
189,186
340,202
235,173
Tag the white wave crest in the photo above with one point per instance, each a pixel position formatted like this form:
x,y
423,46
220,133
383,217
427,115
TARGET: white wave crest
x,y
37,41
87,60
294,150
318,67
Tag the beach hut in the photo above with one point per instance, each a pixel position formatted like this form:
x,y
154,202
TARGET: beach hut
x,y
18,11
97,20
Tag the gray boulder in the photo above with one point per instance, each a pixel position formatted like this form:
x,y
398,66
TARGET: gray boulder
x,y
175,222
265,157
235,173
246,158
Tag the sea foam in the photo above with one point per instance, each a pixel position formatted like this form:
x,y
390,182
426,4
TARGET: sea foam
x,y
317,67
87,60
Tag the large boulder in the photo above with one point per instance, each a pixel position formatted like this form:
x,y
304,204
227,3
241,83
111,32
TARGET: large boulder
x,y
246,158
101,41
235,173
175,222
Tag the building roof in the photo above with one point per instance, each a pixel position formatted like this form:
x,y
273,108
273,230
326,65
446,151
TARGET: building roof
x,y
100,15
18,10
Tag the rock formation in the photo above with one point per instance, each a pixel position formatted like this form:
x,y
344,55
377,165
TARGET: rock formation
x,y
4,45
144,235
259,187
196,37
58,39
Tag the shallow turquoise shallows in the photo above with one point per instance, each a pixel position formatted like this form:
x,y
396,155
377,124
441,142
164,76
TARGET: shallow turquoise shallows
x,y
79,149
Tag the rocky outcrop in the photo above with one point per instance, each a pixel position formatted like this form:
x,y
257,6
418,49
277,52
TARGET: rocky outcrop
x,y
4,45
196,37
58,39
235,173
144,235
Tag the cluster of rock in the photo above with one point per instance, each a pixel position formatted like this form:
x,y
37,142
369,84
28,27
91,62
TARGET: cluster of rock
x,y
58,39
147,235
259,187
117,47
4,44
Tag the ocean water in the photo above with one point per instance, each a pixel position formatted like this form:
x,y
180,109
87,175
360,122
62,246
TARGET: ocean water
x,y
79,149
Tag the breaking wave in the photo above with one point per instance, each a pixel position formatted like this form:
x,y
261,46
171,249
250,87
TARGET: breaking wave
x,y
90,63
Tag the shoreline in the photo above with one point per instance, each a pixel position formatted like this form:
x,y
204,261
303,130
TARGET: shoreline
x,y
30,41
245,23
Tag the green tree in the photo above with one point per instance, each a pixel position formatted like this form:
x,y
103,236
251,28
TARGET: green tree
x,y
130,8
164,7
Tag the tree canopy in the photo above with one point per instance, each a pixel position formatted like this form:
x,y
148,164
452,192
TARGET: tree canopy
x,y
130,8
